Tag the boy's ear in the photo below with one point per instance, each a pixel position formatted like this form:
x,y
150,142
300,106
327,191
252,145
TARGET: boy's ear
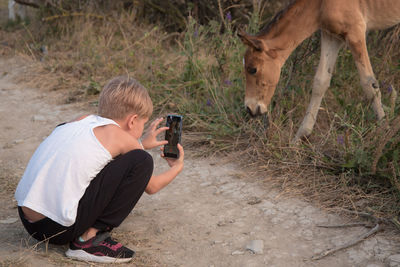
x,y
131,120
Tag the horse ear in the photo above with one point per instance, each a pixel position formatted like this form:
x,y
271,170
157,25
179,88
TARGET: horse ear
x,y
249,40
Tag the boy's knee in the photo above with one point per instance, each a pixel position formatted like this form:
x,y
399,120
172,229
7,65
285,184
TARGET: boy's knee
x,y
141,159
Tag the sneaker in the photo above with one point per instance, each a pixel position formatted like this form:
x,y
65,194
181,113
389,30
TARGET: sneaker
x,y
100,248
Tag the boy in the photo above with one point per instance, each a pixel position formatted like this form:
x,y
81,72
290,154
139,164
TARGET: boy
x,y
86,177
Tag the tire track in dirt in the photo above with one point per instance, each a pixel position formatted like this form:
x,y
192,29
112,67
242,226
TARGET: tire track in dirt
x,y
207,216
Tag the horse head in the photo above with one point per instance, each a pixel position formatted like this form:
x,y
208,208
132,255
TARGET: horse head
x,y
262,68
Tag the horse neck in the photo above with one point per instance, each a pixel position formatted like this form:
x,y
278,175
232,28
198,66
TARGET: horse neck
x,y
298,22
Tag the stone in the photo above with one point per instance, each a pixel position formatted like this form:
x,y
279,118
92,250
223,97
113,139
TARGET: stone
x,y
38,118
254,200
238,252
256,246
18,141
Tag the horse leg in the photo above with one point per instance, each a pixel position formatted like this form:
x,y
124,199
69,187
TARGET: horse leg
x,y
358,47
330,46
11,10
17,10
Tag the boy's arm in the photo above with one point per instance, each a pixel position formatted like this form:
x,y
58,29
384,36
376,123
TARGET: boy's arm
x,y
158,182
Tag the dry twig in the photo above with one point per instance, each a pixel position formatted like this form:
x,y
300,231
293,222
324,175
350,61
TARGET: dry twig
x,y
345,225
349,244
378,226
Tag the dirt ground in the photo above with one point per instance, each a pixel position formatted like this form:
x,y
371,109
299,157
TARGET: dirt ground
x,y
210,215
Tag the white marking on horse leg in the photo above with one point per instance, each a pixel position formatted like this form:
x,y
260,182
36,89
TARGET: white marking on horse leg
x,y
330,47
369,84
16,10
11,9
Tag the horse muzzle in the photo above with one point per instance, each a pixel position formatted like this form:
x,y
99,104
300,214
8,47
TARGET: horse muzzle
x,y
254,108
254,114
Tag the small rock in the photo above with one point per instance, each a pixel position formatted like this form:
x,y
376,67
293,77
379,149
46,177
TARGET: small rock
x,y
238,252
18,141
256,246
254,200
394,260
44,50
9,220
38,118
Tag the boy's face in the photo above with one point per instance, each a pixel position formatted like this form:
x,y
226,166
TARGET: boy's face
x,y
137,126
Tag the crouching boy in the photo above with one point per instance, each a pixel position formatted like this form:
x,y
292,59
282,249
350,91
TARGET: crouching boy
x,y
87,175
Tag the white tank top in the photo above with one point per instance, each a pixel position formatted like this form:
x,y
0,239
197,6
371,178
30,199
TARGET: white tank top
x,y
61,169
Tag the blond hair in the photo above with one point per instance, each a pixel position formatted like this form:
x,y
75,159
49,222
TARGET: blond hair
x,y
122,96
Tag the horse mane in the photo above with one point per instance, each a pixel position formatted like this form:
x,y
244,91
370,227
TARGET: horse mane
x,y
275,19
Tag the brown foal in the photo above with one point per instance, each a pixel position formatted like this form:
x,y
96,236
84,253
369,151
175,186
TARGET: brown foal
x,y
340,21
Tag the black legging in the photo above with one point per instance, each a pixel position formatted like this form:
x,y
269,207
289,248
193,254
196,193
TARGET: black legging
x,y
107,201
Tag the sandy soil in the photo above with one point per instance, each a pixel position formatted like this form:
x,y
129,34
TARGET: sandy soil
x,y
208,216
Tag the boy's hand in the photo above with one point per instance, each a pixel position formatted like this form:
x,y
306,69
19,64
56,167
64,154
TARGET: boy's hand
x,y
150,138
175,162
